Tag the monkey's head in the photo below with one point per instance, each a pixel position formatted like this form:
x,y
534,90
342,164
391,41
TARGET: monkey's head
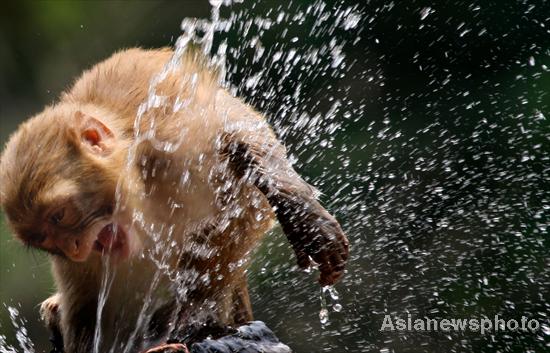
x,y
58,182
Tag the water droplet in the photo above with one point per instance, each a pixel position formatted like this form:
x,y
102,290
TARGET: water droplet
x,y
323,316
333,293
425,12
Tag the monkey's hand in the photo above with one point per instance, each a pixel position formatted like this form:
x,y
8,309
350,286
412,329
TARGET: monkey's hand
x,y
314,235
312,231
169,348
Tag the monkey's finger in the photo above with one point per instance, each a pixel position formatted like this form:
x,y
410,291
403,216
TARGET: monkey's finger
x,y
326,276
338,264
302,258
325,268
331,264
337,239
343,242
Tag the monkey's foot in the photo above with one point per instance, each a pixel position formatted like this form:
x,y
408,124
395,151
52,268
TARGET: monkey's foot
x,y
50,314
49,310
169,348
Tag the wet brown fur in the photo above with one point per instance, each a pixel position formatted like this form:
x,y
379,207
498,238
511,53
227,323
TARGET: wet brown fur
x,y
228,211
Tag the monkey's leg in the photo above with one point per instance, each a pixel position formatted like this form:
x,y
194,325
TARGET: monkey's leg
x,y
242,309
311,230
49,313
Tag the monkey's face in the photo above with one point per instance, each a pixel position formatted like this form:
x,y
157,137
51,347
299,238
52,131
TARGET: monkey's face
x,y
57,187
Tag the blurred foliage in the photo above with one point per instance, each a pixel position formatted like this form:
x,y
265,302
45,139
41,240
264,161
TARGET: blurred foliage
x,y
440,175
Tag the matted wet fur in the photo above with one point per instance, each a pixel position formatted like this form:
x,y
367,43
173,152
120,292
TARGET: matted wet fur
x,y
207,178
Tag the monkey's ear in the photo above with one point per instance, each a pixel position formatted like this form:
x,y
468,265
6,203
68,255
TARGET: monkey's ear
x,y
94,134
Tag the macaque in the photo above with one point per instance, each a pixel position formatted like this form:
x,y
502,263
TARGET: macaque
x,y
151,202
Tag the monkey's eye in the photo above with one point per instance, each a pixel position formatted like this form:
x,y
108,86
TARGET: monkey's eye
x,y
57,217
39,239
34,238
65,216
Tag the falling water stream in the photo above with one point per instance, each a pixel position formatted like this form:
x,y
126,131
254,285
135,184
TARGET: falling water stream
x,y
199,32
441,187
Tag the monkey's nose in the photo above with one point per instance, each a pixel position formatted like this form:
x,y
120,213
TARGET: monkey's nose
x,y
75,246
72,248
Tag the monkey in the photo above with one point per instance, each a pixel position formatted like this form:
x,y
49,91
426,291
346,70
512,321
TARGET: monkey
x,y
150,201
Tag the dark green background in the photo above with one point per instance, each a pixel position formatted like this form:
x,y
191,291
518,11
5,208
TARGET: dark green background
x,y
438,168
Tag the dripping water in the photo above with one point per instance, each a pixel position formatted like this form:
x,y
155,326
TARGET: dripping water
x,y
435,164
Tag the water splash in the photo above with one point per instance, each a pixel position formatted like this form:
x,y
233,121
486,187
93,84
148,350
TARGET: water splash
x,y
197,32
21,335
434,161
332,293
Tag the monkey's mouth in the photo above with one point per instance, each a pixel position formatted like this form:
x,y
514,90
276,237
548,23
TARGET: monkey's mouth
x,y
113,241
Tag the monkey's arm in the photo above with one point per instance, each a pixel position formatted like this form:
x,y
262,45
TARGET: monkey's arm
x,y
311,230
